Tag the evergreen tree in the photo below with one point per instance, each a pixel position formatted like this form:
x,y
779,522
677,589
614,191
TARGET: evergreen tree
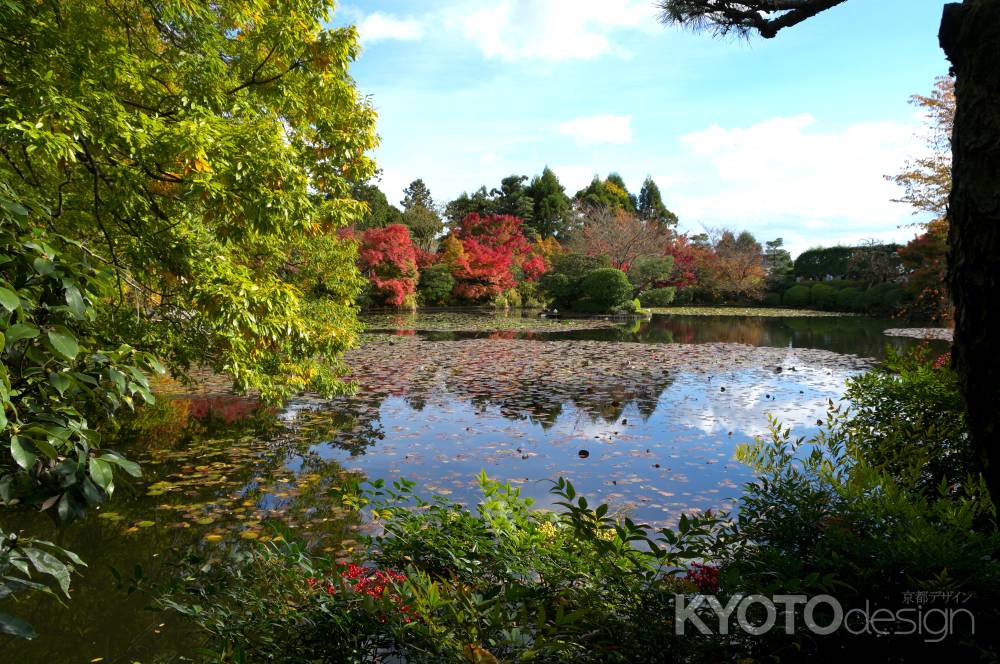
x,y
417,193
420,216
651,207
512,198
552,212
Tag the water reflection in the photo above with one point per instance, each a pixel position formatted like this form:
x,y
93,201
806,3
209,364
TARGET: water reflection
x,y
658,419
859,335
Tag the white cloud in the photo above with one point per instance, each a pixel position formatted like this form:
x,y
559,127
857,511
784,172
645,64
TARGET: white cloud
x,y
574,178
488,157
597,129
380,26
784,177
551,29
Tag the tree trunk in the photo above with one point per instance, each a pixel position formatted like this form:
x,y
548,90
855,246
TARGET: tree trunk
x,y
970,37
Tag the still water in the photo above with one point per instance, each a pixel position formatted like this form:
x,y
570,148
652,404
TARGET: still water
x,y
645,416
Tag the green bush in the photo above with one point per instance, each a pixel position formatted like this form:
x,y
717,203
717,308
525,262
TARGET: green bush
x,y
657,297
444,583
884,298
604,289
563,284
772,299
684,295
435,284
823,296
796,296
909,420
840,284
850,299
821,519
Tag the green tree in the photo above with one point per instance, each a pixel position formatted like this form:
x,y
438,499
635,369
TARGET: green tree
x,y
380,213
173,175
778,263
609,194
647,272
480,202
552,211
513,198
417,194
420,215
651,207
187,146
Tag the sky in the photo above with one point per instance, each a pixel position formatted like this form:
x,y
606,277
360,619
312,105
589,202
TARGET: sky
x,y
788,137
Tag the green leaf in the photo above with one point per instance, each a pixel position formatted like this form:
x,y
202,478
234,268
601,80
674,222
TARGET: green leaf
x,y
64,343
20,331
74,300
47,563
130,467
101,473
22,456
14,208
60,381
9,299
16,626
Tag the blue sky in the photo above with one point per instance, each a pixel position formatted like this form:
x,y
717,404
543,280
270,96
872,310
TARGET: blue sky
x,y
786,137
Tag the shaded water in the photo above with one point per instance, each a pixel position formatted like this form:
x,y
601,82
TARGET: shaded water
x,y
658,421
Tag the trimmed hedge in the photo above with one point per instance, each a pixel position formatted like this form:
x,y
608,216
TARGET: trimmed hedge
x,y
850,299
884,298
823,296
604,289
772,300
657,297
796,296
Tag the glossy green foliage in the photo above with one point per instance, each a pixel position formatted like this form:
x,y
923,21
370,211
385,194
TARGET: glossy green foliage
x,y
31,565
60,382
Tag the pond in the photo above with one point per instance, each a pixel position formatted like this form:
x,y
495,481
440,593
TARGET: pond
x,y
643,415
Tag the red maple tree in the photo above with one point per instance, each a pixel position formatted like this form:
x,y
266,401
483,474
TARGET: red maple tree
x,y
389,260
491,247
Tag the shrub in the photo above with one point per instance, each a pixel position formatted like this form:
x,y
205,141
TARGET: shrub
x,y
820,519
884,298
604,289
436,284
909,421
772,299
564,282
850,299
823,296
657,297
444,583
796,296
684,295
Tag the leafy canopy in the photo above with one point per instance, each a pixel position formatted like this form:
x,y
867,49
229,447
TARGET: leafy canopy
x,y
190,147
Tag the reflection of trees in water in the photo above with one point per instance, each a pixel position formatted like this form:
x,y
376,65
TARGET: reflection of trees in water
x,y
213,476
539,398
856,335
